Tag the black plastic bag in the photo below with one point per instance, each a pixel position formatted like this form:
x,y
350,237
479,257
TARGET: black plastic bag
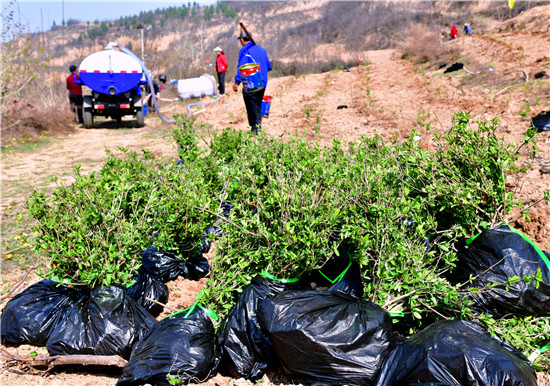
x,y
31,316
206,243
165,265
246,350
148,286
351,282
103,322
541,122
197,267
181,345
454,67
168,266
456,353
327,337
494,256
332,271
227,207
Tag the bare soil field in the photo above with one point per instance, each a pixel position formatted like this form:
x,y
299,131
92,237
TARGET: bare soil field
x,y
387,95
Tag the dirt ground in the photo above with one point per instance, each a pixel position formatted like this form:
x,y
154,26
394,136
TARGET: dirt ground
x,y
388,95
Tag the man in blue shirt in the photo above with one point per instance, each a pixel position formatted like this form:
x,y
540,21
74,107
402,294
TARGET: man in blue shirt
x,y
253,92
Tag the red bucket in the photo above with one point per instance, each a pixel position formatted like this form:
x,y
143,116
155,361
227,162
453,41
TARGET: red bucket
x,y
266,104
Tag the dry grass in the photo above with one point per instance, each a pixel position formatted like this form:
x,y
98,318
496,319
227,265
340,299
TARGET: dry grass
x,y
422,44
21,119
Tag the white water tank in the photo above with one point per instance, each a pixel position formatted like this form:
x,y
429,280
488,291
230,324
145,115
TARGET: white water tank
x,y
110,72
197,87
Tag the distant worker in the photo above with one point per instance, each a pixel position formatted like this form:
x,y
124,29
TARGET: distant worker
x,y
221,68
75,93
156,89
467,29
254,79
454,33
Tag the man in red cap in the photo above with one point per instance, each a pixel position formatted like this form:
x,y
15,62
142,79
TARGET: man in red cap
x,y
75,93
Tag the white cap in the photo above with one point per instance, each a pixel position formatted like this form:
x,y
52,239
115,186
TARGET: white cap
x,y
217,49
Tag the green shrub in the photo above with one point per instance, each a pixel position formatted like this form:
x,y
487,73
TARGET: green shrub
x,y
93,230
186,138
393,207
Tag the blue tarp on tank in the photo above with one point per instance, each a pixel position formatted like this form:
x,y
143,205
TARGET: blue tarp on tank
x,y
102,82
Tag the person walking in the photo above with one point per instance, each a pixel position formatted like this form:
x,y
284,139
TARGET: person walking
x,y
454,33
252,94
75,93
221,68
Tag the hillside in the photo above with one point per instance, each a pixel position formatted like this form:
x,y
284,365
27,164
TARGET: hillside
x,y
302,32
371,88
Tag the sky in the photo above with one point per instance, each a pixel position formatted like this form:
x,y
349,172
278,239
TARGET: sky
x,y
39,16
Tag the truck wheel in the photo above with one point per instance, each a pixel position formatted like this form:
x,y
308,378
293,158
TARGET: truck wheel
x,y
140,118
88,118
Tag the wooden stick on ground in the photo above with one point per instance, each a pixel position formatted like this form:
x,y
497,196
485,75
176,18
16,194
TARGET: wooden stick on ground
x,y
57,360
162,304
18,249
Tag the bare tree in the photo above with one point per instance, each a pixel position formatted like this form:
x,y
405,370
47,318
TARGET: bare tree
x,y
20,62
201,37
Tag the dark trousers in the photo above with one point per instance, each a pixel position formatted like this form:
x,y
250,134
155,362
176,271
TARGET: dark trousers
x,y
76,102
221,82
253,103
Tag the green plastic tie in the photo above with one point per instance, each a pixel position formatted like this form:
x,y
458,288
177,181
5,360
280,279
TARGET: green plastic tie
x,y
471,239
131,283
524,237
190,310
270,276
535,246
61,281
339,277
211,313
396,314
175,313
537,353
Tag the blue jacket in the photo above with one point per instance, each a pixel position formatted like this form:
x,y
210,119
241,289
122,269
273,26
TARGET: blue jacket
x,y
253,53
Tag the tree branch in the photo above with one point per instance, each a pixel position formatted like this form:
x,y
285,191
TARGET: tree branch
x,y
59,360
162,304
18,249
232,223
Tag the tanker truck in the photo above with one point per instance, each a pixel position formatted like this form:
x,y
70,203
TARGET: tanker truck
x,y
115,79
